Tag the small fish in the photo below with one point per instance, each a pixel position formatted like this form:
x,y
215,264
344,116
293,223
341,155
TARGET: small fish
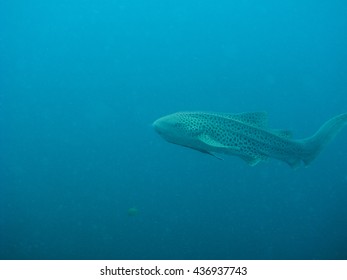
x,y
245,135
132,211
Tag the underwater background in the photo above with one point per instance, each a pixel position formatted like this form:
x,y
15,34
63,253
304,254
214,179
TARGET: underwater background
x,y
83,175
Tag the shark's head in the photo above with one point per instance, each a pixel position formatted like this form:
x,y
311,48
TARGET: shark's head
x,y
178,128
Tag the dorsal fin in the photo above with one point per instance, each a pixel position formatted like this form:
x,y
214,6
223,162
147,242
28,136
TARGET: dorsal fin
x,y
283,133
259,119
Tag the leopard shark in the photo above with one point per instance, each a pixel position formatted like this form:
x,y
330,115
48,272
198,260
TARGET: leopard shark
x,y
245,135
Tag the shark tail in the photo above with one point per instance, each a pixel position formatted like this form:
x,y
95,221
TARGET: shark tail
x,y
312,146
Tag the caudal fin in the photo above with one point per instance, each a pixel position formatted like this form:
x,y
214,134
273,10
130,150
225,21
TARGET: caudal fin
x,y
314,144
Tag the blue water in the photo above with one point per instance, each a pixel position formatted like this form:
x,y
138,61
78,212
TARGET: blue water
x,y
82,81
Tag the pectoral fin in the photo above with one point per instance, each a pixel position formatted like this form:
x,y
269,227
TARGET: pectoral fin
x,y
215,155
209,153
208,140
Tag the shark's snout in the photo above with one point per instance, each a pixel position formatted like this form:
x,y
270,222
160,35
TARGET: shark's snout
x,y
155,124
158,126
